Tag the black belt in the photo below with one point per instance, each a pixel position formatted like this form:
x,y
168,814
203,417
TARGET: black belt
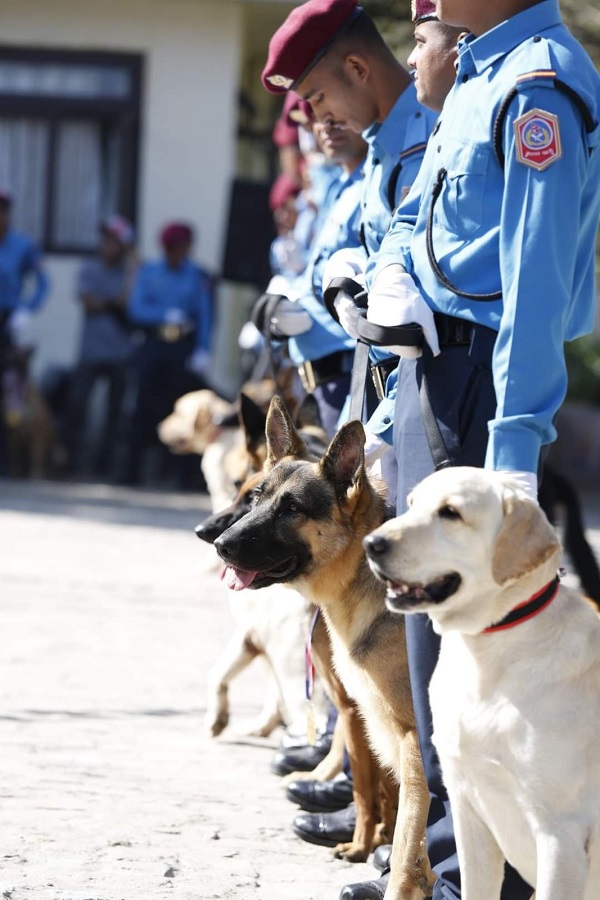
x,y
453,331
314,372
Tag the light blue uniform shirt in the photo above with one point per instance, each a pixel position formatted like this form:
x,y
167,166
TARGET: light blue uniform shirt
x,y
339,219
20,258
159,288
396,150
527,232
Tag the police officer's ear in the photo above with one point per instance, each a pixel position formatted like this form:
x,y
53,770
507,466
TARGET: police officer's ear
x,y
356,68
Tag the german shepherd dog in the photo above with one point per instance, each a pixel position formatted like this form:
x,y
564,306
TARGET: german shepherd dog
x,y
306,529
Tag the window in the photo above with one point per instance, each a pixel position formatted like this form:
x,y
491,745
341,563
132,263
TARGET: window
x,y
69,131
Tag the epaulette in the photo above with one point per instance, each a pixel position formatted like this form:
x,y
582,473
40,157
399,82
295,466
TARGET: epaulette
x,y
545,78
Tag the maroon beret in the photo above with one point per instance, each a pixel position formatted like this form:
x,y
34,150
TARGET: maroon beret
x,y
304,38
282,189
301,112
422,10
176,234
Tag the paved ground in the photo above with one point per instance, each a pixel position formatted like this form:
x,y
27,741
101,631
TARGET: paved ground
x,y
109,789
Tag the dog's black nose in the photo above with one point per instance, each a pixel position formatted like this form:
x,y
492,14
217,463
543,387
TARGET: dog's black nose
x,y
375,544
221,548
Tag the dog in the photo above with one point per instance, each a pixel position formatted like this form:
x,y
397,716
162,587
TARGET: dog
x,y
306,529
268,625
515,696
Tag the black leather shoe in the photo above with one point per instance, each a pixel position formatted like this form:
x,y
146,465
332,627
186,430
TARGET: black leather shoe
x,y
382,856
321,796
301,759
365,890
326,829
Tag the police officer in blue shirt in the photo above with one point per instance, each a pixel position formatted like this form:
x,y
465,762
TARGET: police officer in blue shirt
x,y
331,54
477,255
317,345
24,287
171,303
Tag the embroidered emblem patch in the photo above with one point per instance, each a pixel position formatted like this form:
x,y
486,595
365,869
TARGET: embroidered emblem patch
x,y
280,81
538,139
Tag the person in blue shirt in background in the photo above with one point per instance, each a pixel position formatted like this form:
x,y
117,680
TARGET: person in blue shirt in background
x,y
24,287
106,349
492,252
171,303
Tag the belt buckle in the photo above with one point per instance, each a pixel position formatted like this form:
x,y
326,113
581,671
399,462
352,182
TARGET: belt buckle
x,y
169,333
307,376
378,381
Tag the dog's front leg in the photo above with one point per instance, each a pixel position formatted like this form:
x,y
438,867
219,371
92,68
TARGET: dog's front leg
x,y
563,867
237,655
480,859
364,779
411,876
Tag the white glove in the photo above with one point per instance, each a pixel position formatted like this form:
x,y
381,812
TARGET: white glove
x,y
348,313
347,263
250,337
375,448
395,300
198,362
527,481
174,316
290,319
380,462
19,327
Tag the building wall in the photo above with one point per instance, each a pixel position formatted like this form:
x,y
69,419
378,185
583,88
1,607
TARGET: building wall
x,y
191,50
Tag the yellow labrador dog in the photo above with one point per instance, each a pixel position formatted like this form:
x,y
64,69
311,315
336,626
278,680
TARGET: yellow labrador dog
x,y
515,696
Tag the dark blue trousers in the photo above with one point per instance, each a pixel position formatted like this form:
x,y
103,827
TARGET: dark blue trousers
x,y
463,401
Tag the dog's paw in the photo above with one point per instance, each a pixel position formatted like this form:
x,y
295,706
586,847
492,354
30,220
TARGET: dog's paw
x,y
216,724
351,852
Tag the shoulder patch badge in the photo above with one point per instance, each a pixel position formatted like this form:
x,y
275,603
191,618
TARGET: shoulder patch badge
x,y
538,139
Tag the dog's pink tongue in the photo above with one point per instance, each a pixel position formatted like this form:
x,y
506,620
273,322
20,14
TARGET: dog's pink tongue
x,y
237,579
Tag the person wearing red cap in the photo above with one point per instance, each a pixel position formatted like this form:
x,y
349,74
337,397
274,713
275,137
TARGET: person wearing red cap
x,y
106,345
171,302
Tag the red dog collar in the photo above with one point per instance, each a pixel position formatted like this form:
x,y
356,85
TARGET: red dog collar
x,y
528,609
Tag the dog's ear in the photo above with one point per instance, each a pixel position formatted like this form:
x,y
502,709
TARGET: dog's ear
x,y
344,463
525,541
253,422
307,414
282,436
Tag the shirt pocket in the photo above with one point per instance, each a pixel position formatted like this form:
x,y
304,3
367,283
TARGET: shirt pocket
x,y
464,195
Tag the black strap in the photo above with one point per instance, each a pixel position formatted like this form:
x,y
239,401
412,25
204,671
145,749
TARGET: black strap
x,y
358,383
388,335
261,315
349,286
437,445
528,609
437,269
500,119
393,184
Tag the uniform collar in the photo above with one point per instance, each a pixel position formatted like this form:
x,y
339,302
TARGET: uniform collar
x,y
385,139
477,54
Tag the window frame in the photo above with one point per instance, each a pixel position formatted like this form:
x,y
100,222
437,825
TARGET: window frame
x,y
54,110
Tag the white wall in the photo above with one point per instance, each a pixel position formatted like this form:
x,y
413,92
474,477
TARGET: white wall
x,y
192,50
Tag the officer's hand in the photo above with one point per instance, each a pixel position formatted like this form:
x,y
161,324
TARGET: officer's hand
x,y
347,312
395,300
289,319
174,316
347,263
19,327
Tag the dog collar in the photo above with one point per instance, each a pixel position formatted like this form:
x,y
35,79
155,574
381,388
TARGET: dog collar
x,y
528,609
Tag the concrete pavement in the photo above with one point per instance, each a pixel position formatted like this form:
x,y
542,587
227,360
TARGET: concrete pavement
x,y
109,789
111,616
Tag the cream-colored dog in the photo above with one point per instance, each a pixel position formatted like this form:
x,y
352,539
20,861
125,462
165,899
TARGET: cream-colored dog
x,y
515,696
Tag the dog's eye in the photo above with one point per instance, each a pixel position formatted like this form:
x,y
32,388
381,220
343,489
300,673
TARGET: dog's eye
x,y
449,512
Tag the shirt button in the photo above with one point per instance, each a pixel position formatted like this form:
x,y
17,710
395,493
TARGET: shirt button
x,y
386,420
537,39
439,149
